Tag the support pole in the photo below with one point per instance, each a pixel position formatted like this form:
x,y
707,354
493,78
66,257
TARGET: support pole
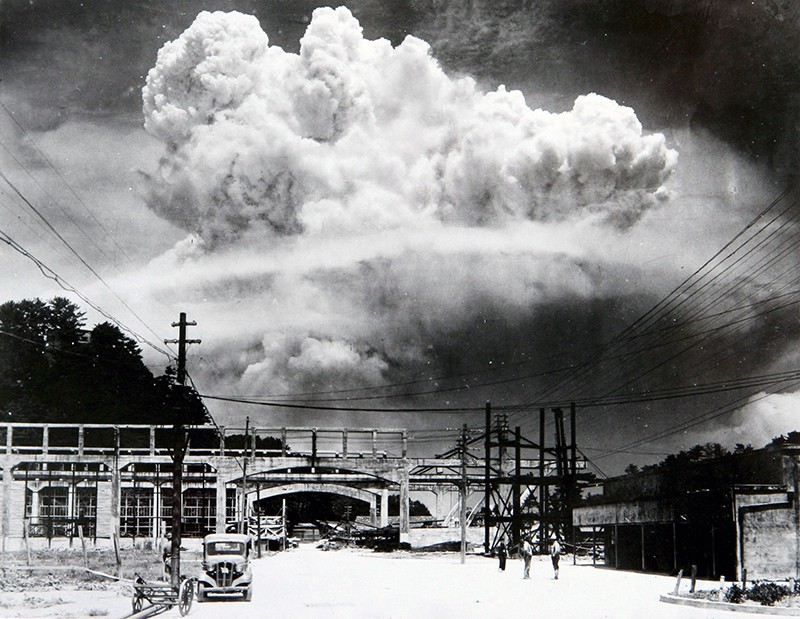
x,y
487,488
463,495
283,524
516,524
179,450
572,438
543,533
644,555
243,513
258,502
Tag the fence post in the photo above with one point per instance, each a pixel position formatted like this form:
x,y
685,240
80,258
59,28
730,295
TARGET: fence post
x,y
116,553
678,583
83,545
26,534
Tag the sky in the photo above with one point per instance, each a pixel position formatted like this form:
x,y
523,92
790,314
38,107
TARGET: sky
x,y
421,205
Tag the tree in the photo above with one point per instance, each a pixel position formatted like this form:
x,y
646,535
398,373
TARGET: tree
x,y
699,453
172,399
53,370
415,508
38,345
270,443
792,438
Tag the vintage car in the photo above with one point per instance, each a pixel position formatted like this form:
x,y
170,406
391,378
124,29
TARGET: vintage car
x,y
226,567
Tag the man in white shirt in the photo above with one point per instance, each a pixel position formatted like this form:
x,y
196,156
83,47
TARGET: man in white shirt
x,y
555,554
526,550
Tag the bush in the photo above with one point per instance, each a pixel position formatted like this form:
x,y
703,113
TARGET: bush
x,y
767,593
734,594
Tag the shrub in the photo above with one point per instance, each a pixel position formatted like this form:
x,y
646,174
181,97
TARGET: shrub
x,y
767,593
734,594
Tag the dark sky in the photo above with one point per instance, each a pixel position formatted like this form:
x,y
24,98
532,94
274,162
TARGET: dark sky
x,y
728,66
716,78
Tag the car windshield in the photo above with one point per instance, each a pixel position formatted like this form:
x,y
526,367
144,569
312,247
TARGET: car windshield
x,y
225,548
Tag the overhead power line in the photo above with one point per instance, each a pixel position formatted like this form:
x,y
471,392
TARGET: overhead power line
x,y
66,184
343,408
64,285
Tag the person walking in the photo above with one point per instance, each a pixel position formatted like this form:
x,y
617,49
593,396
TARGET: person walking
x,y
502,555
555,555
526,551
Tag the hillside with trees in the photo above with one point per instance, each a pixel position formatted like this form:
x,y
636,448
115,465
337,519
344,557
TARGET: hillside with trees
x,y
55,370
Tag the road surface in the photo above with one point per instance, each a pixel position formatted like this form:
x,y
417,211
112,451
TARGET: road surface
x,y
310,583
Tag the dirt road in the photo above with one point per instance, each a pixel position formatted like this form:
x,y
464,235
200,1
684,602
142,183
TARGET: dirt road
x,y
309,583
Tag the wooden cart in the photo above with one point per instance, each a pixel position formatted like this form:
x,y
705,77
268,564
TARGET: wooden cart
x,y
164,594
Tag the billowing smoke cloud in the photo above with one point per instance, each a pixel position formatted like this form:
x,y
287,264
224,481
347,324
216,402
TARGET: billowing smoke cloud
x,y
353,134
362,217
763,418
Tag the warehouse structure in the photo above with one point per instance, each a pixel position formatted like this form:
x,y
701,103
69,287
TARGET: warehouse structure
x,y
726,515
99,481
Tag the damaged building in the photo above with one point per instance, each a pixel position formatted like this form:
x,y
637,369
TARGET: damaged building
x,y
727,515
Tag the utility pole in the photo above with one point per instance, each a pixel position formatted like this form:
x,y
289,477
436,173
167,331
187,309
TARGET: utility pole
x,y
463,495
487,487
179,449
243,526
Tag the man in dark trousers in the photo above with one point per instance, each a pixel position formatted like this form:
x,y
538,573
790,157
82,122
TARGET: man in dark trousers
x,y
501,556
555,554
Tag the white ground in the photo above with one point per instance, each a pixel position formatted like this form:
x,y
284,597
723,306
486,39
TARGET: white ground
x,y
309,583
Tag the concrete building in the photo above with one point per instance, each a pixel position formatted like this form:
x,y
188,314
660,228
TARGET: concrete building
x,y
61,482
735,513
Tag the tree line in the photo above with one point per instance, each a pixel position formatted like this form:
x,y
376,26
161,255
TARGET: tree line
x,y
55,370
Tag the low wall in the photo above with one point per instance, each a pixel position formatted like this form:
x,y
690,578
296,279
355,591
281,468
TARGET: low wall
x,y
422,538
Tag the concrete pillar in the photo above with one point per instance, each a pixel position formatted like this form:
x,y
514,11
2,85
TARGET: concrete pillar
x,y
155,529
405,516
35,501
794,484
80,440
644,556
219,527
113,521
45,440
385,507
5,505
344,443
373,516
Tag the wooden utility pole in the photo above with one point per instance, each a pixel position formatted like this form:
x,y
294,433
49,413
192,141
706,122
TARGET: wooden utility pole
x,y
463,494
179,449
487,486
243,526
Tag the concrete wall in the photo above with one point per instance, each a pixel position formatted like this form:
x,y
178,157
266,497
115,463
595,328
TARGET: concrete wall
x,y
632,512
422,538
768,535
